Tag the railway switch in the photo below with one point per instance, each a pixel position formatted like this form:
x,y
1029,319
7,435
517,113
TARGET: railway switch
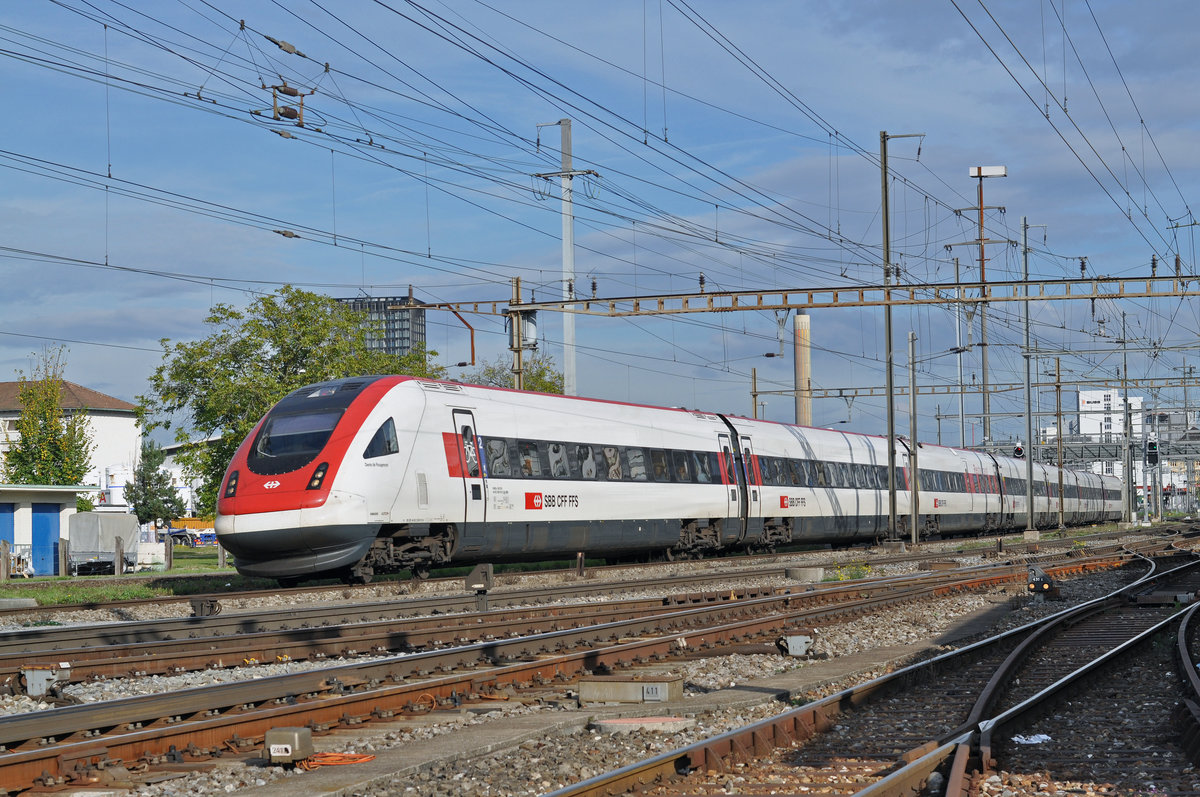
x,y
288,745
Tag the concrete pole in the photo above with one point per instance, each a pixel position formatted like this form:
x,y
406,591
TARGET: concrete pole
x,y
1129,504
754,393
1029,524
887,323
1058,415
568,236
516,343
913,473
803,368
983,344
958,347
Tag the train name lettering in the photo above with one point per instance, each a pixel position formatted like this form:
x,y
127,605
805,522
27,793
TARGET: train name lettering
x,y
789,501
552,501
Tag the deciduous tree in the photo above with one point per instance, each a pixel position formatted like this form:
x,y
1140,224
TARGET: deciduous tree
x,y
539,374
54,446
214,390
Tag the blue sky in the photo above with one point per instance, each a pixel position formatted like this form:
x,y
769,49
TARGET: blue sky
x,y
739,141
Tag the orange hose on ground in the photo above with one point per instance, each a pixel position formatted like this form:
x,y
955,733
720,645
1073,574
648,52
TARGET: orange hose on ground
x,y
333,760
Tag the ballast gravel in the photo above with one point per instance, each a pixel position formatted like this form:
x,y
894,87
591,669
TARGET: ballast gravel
x,y
553,762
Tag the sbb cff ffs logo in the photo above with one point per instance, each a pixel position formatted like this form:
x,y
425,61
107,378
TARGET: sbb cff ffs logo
x,y
533,500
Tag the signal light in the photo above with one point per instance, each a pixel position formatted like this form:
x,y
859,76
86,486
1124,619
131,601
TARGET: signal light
x,y
1019,451
231,485
1152,452
314,483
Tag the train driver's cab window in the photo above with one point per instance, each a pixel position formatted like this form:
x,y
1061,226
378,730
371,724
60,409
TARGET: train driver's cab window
x,y
531,459
659,466
384,442
291,441
470,453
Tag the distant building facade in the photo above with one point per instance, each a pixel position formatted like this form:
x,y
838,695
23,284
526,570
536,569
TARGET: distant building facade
x,y
112,424
395,331
1102,415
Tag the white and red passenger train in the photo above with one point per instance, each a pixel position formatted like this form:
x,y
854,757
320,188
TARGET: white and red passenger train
x,y
381,473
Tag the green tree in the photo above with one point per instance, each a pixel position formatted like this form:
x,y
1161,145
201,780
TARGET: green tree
x,y
539,374
54,447
213,391
151,493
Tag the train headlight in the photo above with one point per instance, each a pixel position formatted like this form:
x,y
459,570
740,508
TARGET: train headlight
x,y
231,485
314,482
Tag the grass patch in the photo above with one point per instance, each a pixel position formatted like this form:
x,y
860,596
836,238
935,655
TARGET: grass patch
x,y
198,560
77,592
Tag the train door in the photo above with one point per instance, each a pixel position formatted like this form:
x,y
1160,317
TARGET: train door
x,y
474,486
752,489
735,488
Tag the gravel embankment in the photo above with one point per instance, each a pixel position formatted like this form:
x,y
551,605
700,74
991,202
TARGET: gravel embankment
x,y
555,761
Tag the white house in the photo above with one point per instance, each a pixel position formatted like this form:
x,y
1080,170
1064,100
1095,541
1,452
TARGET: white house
x,y
113,426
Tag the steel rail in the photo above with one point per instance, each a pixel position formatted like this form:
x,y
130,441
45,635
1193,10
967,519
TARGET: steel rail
x,y
500,579
53,747
87,660
42,639
723,752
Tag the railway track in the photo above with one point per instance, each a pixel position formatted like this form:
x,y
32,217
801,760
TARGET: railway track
x,y
72,745
81,653
941,725
999,548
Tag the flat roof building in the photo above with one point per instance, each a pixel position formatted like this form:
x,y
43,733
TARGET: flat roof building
x,y
396,331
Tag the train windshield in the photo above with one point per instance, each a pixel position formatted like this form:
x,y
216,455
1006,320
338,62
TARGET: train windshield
x,y
291,441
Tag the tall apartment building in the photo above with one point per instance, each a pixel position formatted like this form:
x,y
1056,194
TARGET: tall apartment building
x,y
398,330
1102,415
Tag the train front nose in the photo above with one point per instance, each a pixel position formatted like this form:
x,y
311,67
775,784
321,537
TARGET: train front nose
x,y
297,542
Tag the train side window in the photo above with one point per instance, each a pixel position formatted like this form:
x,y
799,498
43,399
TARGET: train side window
x,y
612,464
860,476
682,472
470,454
845,475
637,464
384,441
585,462
495,451
703,466
770,471
531,459
557,456
660,468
